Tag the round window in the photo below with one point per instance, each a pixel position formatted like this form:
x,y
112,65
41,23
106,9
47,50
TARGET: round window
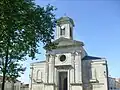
x,y
62,58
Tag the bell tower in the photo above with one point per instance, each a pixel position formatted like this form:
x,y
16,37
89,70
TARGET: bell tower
x,y
64,28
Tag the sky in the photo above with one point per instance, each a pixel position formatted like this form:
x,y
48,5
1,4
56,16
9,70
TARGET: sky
x,y
97,24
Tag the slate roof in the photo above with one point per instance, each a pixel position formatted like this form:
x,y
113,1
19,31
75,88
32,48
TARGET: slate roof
x,y
68,42
91,58
65,19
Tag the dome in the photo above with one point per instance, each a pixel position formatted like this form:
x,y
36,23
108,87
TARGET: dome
x,y
64,20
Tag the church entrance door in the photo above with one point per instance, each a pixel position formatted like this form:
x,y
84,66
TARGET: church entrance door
x,y
63,81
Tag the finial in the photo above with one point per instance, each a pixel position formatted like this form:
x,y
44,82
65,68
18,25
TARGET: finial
x,y
65,14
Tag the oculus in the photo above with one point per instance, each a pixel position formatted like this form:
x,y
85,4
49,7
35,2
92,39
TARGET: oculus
x,y
62,58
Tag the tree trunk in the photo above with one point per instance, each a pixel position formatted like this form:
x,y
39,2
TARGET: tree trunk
x,y
5,66
3,81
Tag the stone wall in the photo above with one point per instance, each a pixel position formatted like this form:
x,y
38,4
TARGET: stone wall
x,y
17,86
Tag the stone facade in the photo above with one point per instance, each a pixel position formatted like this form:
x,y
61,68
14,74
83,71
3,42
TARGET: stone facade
x,y
69,67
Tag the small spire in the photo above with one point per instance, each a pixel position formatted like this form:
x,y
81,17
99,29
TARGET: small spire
x,y
65,14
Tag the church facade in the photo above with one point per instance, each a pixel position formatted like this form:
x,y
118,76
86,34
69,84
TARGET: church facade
x,y
69,67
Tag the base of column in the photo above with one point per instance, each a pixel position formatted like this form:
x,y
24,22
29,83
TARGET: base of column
x,y
76,86
49,86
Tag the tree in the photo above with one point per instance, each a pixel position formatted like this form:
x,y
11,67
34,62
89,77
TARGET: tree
x,y
14,70
23,25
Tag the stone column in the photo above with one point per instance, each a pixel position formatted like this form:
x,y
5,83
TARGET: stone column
x,y
78,70
31,77
55,76
47,68
51,68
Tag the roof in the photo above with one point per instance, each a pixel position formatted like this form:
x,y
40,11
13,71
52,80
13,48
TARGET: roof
x,y
38,62
25,86
91,58
67,42
65,19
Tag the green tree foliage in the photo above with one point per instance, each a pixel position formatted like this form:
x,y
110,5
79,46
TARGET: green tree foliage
x,y
23,25
14,70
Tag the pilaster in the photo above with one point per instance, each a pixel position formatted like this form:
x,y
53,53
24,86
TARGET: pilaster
x,y
47,68
78,69
72,71
51,68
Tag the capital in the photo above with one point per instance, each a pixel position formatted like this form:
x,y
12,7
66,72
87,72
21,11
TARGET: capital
x,y
73,53
47,54
53,55
78,52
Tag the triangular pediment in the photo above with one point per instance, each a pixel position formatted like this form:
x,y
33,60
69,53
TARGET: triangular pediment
x,y
68,42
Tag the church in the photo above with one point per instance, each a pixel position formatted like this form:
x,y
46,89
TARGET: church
x,y
69,67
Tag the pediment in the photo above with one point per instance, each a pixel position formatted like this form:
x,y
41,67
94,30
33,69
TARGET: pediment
x,y
61,42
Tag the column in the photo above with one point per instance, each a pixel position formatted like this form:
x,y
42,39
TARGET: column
x,y
78,70
51,68
57,32
47,68
55,76
72,71
31,77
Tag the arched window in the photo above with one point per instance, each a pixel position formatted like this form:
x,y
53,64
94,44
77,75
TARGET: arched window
x,y
62,31
93,73
39,75
70,32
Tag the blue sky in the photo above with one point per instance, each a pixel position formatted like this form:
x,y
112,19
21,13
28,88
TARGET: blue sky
x,y
97,24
